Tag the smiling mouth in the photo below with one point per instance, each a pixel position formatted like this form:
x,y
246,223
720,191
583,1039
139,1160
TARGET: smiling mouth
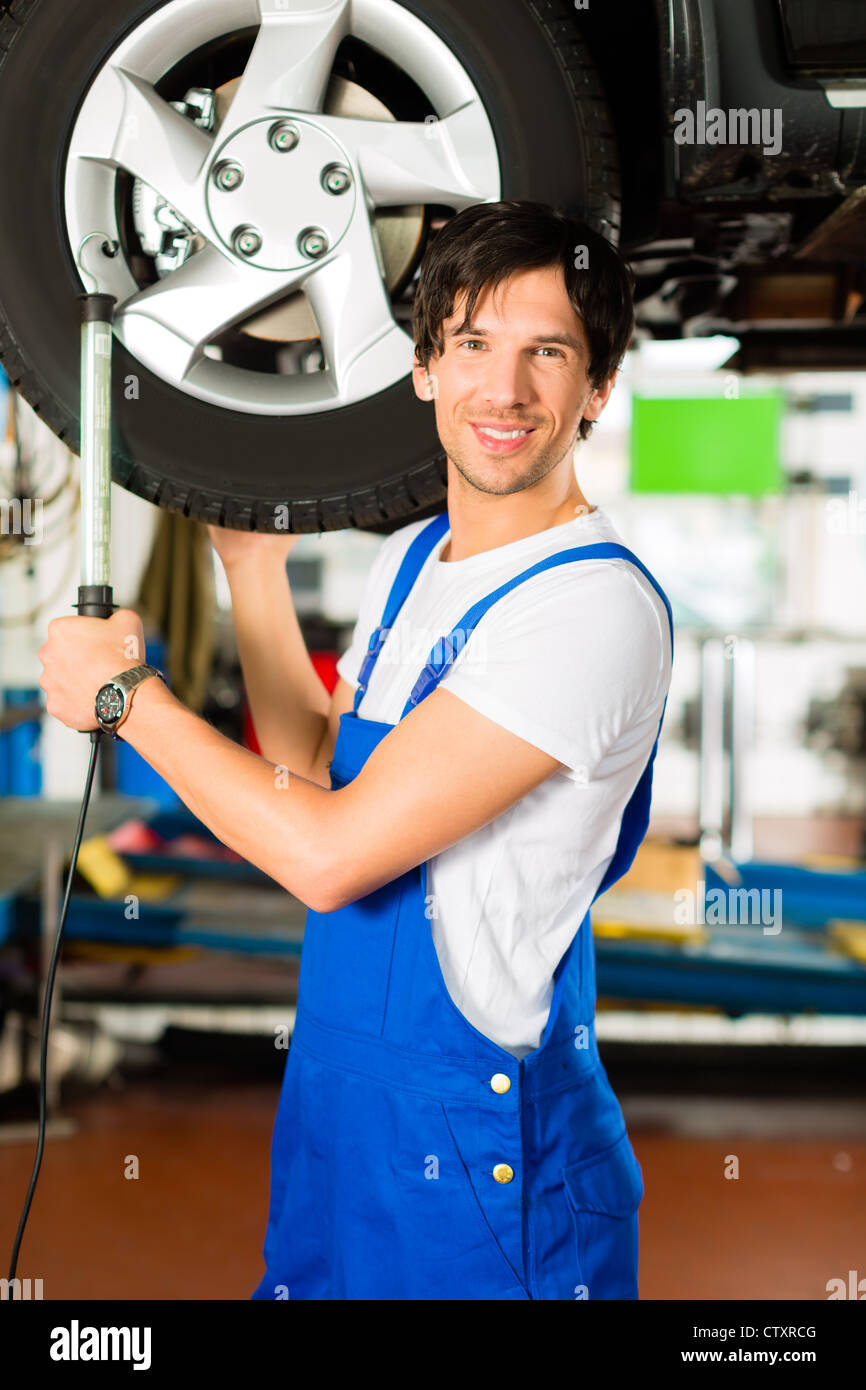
x,y
502,441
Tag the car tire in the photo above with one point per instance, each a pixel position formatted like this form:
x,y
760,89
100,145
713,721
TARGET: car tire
x,y
375,464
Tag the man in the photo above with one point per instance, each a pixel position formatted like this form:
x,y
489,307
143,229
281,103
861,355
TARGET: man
x,y
446,1129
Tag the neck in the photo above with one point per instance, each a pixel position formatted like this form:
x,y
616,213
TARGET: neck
x,y
481,521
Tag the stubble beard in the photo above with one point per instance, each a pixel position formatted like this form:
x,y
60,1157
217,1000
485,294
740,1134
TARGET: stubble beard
x,y
538,468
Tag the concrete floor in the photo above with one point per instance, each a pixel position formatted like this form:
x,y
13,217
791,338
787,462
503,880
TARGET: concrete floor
x,y
191,1225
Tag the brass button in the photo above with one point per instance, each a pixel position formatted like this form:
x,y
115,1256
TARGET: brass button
x,y
502,1172
500,1083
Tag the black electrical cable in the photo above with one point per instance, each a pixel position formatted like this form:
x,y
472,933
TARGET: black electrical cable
x,y
95,600
96,735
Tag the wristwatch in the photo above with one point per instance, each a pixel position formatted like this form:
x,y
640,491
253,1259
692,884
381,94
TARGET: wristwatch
x,y
113,699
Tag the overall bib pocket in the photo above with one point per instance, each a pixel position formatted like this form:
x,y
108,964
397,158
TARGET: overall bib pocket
x,y
489,1254
604,1193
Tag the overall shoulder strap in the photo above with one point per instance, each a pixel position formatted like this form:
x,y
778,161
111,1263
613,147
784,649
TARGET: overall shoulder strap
x,y
447,648
410,567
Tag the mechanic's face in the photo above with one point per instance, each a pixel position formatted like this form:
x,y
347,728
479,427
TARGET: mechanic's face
x,y
520,367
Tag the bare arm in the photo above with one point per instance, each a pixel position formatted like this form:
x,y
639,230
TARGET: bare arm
x,y
329,848
288,702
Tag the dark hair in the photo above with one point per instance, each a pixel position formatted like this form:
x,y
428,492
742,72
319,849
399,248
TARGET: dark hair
x,y
487,242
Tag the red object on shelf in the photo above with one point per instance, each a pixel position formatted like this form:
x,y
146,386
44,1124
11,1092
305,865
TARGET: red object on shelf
x,y
192,846
134,836
326,668
325,665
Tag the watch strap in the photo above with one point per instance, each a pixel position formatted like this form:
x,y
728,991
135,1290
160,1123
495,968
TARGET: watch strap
x,y
128,682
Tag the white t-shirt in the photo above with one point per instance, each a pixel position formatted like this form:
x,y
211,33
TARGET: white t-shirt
x,y
577,661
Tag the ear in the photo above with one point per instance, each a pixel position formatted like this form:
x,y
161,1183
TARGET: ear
x,y
423,382
599,398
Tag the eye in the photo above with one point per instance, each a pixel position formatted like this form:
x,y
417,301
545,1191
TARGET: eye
x,y
556,352
472,342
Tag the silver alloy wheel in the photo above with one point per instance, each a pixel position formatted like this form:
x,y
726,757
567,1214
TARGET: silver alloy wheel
x,y
256,247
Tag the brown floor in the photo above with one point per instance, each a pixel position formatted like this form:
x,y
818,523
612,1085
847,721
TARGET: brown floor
x,y
791,1222
190,1227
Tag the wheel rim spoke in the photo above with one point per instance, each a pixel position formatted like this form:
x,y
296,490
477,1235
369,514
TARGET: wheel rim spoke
x,y
144,135
410,162
170,322
123,124
290,64
361,342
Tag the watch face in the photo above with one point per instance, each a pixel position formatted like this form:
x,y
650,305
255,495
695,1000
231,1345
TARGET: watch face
x,y
109,704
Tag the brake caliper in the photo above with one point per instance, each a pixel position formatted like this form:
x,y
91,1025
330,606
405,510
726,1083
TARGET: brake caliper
x,y
163,233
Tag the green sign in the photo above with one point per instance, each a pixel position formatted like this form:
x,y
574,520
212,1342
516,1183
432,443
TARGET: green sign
x,y
707,444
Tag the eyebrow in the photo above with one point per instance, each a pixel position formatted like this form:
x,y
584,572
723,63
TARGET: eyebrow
x,y
542,339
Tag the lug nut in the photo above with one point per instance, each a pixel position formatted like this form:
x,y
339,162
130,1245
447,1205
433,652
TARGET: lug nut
x,y
228,175
283,136
313,243
336,179
246,241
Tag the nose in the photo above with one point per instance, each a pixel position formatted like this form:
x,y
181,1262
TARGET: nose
x,y
507,382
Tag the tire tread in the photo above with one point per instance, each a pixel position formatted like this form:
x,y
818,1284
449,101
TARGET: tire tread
x,y
420,491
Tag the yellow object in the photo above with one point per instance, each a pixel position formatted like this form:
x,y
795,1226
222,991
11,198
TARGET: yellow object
x,y
502,1172
104,869
111,877
692,933
500,1083
849,937
154,888
819,859
133,955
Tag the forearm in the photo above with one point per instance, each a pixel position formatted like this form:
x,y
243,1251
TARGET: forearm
x,y
287,700
278,821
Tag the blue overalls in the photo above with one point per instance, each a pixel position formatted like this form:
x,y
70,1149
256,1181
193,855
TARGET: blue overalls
x,y
412,1157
